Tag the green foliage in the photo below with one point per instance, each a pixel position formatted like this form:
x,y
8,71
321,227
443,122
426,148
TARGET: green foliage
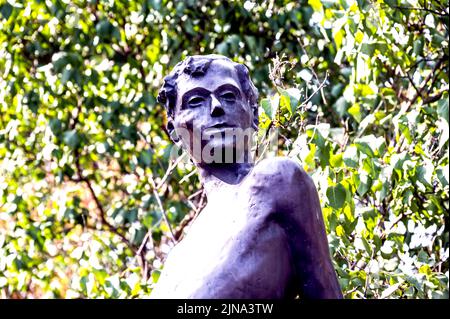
x,y
357,89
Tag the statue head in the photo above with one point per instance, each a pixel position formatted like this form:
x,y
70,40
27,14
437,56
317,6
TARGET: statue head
x,y
210,101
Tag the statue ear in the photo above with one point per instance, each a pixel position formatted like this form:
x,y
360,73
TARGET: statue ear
x,y
255,118
171,129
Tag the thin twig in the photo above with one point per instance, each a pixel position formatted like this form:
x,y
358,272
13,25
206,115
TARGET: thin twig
x,y
169,170
141,253
192,215
141,250
421,9
148,144
312,70
276,72
315,92
186,177
414,85
315,129
158,200
190,197
396,221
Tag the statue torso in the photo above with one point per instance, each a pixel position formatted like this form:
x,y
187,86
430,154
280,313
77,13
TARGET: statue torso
x,y
233,249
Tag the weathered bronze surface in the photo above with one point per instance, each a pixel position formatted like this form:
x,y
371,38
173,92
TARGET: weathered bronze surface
x,y
261,234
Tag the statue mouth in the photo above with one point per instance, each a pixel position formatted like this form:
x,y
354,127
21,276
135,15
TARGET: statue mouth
x,y
222,125
219,128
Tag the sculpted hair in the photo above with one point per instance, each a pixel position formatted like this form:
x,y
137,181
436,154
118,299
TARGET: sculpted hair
x,y
197,66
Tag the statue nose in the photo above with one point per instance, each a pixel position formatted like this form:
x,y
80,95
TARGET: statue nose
x,y
216,107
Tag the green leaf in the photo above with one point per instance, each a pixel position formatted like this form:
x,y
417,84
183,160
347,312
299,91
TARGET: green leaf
x,y
336,160
265,104
155,275
55,126
365,148
145,158
389,291
363,183
61,60
100,275
316,5
340,231
336,196
341,106
368,48
418,46
6,10
391,3
366,245
442,175
292,98
270,106
442,109
359,36
104,28
355,111
351,156
71,138
275,104
66,75
424,174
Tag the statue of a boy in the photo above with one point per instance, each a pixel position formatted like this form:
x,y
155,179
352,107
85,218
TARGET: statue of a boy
x,y
262,234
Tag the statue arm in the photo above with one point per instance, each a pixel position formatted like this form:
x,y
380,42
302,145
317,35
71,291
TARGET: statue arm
x,y
297,209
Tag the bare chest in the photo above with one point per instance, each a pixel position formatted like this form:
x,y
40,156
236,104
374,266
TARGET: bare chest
x,y
224,223
230,249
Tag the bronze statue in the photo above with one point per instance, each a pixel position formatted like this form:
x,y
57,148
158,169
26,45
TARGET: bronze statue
x,y
262,233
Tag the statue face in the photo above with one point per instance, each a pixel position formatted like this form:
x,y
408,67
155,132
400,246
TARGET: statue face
x,y
212,112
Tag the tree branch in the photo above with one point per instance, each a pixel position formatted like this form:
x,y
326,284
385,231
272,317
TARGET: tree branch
x,y
191,216
422,9
100,208
434,98
424,83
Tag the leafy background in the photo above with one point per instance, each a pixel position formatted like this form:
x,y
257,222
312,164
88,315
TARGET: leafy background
x,y
90,199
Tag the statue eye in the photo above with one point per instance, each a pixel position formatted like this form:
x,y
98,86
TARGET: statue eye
x,y
196,101
228,96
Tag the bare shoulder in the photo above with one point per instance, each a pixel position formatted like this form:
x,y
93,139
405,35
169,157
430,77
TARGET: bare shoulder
x,y
281,178
286,190
279,170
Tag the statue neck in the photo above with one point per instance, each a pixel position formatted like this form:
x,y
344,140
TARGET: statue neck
x,y
213,176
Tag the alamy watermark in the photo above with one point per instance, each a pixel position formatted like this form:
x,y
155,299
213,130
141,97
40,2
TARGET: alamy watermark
x,y
224,144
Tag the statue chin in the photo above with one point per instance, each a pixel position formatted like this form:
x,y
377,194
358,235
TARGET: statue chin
x,y
221,153
219,150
